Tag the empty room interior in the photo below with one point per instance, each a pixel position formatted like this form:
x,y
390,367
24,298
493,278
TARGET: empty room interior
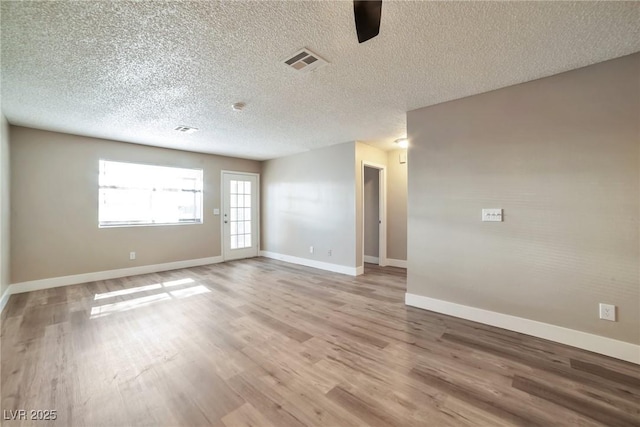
x,y
323,213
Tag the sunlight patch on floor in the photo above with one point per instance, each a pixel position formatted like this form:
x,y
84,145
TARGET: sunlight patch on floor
x,y
142,288
118,307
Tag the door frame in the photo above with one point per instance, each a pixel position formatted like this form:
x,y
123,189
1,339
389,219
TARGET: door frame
x,y
382,210
222,208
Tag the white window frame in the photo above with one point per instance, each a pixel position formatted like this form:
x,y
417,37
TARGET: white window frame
x,y
152,220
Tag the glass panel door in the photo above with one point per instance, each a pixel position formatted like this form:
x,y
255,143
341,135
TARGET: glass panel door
x,y
240,218
240,215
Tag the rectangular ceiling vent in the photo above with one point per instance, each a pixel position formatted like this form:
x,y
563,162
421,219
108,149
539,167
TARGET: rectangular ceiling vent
x,y
304,61
186,129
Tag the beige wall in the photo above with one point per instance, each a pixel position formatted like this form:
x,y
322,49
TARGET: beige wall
x,y
309,200
371,212
363,152
4,205
396,199
54,207
561,156
396,206
316,199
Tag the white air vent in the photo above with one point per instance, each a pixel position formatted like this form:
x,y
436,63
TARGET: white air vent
x,y
186,129
304,60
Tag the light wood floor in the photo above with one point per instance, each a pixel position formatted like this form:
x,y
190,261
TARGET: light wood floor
x,y
264,343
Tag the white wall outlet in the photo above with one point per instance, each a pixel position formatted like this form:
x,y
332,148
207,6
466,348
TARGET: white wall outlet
x,y
492,215
310,249
608,312
330,252
132,255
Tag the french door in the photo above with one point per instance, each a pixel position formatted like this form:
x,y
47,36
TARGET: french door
x,y
240,215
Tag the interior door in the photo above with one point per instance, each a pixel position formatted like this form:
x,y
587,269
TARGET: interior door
x,y
240,220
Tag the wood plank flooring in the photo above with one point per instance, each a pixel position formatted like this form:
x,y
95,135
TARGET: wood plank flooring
x,y
264,343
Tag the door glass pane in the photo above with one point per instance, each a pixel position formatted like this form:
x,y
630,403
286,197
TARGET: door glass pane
x,y
240,214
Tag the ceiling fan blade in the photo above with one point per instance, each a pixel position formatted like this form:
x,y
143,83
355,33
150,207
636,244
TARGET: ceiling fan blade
x,y
367,14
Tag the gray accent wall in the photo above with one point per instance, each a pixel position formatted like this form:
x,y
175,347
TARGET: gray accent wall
x,y
4,205
308,199
561,156
54,207
316,199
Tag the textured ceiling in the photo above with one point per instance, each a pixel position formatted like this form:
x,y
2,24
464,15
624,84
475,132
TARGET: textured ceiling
x,y
134,71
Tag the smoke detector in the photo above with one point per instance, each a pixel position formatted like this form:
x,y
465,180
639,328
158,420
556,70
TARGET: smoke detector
x,y
304,61
186,129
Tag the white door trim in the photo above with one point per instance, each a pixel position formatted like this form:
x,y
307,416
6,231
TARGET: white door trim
x,y
382,229
222,207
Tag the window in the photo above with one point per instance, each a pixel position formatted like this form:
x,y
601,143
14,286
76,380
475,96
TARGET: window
x,y
135,194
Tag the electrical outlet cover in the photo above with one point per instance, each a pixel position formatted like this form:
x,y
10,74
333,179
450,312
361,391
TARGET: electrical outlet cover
x,y
608,312
492,215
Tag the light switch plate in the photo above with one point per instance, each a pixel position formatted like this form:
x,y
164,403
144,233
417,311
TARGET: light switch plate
x,y
494,215
216,211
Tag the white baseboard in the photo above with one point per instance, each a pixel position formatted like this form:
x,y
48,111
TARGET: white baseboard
x,y
54,282
586,341
360,270
401,263
336,268
390,261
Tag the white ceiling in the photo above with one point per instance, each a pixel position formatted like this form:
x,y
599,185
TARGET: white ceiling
x,y
134,71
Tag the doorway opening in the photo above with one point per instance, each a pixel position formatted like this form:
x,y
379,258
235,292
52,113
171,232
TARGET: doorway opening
x,y
374,233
